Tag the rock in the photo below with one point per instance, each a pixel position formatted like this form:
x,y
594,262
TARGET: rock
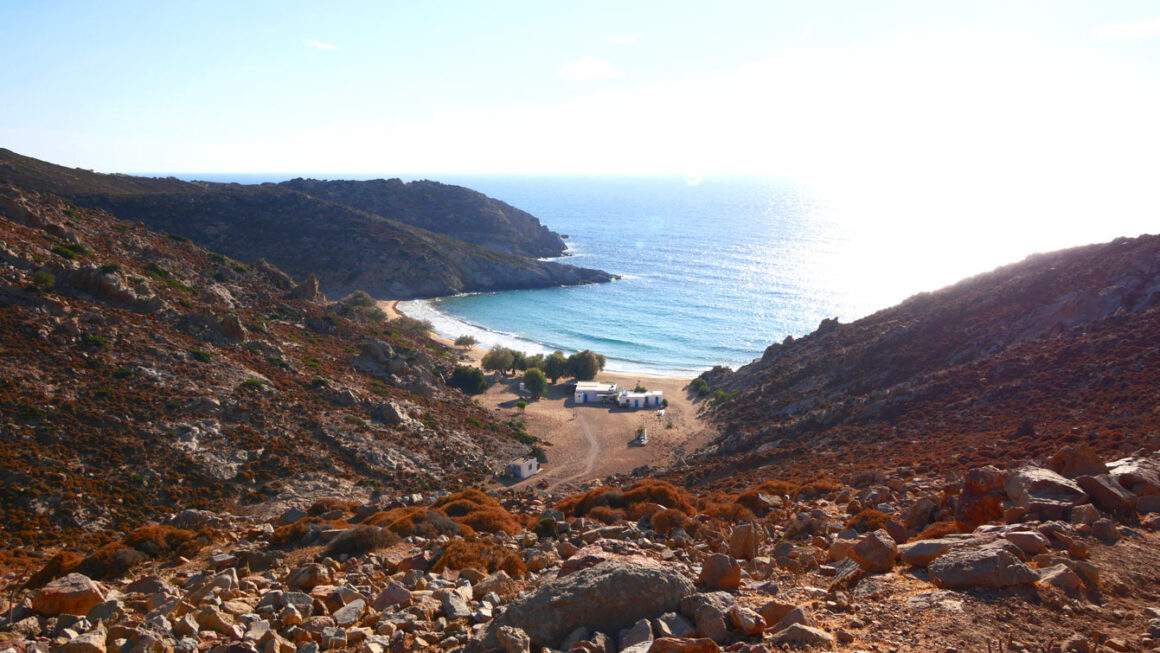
x,y
210,618
309,576
639,634
723,601
671,624
513,640
897,531
1036,489
392,594
1084,514
746,621
607,597
107,612
1140,476
70,594
1148,503
1077,460
1107,494
745,540
1062,577
1077,643
799,615
875,552
291,515
454,607
922,552
710,622
499,583
720,572
921,513
982,567
1030,542
935,599
333,638
350,613
981,496
671,645
774,611
1106,530
800,635
90,642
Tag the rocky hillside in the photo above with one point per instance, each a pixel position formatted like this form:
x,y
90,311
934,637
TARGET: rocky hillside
x,y
1062,347
387,238
453,211
141,375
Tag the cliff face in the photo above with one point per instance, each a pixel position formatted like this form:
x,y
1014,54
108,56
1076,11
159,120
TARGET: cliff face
x,y
142,375
1005,364
453,211
390,239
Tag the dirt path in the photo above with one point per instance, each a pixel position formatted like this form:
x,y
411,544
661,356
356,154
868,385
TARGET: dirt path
x,y
594,451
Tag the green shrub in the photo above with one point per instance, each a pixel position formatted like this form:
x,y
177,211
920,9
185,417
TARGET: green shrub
x,y
700,387
468,379
96,342
110,268
200,355
43,280
251,383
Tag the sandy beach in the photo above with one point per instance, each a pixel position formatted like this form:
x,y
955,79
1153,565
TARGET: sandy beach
x,y
591,441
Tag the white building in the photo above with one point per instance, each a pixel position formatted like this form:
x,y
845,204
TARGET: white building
x,y
652,398
588,392
523,467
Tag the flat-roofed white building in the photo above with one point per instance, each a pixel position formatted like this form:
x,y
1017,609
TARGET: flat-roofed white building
x,y
588,392
523,467
652,398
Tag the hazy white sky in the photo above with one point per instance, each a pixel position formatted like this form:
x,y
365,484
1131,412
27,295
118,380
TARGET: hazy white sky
x,y
991,128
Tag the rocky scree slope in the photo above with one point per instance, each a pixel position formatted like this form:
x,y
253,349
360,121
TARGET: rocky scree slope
x,y
1062,347
434,239
141,374
1061,559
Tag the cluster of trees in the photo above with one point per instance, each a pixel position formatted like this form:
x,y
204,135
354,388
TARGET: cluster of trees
x,y
538,368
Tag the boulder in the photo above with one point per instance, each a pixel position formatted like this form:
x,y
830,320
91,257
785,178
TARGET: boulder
x,y
922,552
1077,460
1061,576
981,496
70,594
982,567
640,636
875,552
746,621
499,583
308,576
1030,542
1141,476
799,635
1148,503
671,624
745,540
672,645
513,640
608,597
90,642
1107,494
1042,492
720,572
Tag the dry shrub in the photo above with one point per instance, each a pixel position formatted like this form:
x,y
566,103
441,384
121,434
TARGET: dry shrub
x,y
59,565
163,541
479,511
668,519
774,486
607,515
730,512
110,562
578,505
868,520
817,488
483,556
639,511
653,491
327,504
416,521
302,531
359,540
938,529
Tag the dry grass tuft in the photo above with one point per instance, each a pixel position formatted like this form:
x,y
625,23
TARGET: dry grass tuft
x,y
483,556
938,529
868,520
478,511
110,562
360,539
666,520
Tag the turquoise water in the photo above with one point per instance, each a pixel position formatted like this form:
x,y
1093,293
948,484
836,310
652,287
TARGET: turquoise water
x,y
713,271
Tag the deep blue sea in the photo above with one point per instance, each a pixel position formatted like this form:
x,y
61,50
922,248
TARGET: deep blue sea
x,y
712,270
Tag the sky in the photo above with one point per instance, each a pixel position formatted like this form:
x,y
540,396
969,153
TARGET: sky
x,y
889,107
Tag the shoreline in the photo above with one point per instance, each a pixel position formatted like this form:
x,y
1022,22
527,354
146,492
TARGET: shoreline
x,y
391,308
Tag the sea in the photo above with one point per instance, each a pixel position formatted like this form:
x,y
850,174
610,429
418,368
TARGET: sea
x,y
710,270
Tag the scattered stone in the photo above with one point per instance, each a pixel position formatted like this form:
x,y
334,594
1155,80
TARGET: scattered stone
x,y
746,621
982,567
745,540
606,597
797,634
1030,542
71,594
671,645
875,552
1107,494
720,572
513,640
